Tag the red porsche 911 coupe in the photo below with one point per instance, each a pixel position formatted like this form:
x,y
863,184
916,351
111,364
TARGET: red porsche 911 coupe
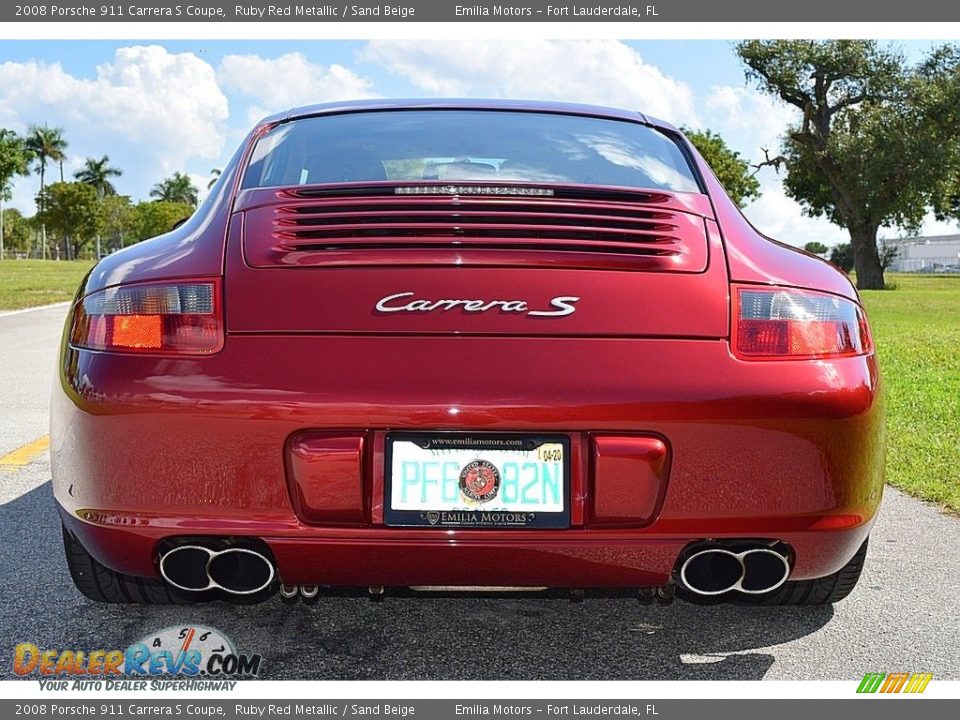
x,y
462,344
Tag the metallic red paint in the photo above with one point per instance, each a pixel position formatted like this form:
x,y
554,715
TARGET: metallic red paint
x,y
310,380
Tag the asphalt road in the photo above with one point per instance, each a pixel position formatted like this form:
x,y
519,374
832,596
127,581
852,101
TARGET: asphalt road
x,y
903,616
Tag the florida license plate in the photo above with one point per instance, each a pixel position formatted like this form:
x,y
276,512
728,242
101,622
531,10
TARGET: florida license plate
x,y
477,481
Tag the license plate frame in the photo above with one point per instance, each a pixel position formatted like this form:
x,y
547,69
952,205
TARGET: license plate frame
x,y
493,444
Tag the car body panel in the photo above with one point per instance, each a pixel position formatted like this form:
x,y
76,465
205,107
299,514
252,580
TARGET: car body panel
x,y
146,448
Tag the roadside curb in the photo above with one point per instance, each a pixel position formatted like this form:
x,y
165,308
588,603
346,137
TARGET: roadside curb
x,y
21,311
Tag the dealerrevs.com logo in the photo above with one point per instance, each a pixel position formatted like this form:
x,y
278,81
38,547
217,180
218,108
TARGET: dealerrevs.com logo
x,y
195,656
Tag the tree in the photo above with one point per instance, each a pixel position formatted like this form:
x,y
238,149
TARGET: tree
x,y
15,160
97,174
71,211
214,176
817,248
158,217
119,220
842,257
875,141
47,144
888,252
17,232
731,170
178,188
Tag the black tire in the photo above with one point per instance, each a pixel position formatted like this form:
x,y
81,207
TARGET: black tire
x,y
101,584
820,591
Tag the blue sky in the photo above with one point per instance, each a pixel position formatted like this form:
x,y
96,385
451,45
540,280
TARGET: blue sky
x,y
156,107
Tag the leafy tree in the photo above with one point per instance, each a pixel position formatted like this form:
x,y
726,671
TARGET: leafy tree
x,y
15,160
842,257
119,220
817,248
178,188
17,233
71,211
97,174
158,217
731,170
874,144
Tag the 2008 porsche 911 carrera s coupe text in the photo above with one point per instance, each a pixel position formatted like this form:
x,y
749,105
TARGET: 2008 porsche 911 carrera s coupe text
x,y
440,344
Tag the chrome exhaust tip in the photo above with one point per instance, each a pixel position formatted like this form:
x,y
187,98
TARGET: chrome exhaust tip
x,y
309,592
764,570
185,568
288,591
713,571
238,571
716,571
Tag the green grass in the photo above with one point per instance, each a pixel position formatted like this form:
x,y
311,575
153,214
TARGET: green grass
x,y
26,283
917,332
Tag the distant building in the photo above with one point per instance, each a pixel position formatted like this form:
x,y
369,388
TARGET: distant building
x,y
927,254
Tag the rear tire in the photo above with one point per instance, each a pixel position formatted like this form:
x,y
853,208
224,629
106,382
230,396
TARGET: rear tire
x,y
101,584
819,591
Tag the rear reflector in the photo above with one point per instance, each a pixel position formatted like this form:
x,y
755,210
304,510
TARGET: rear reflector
x,y
795,324
168,318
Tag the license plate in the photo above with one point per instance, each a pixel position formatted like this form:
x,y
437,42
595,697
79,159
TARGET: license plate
x,y
477,481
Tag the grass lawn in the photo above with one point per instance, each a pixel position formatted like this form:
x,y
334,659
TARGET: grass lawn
x,y
25,283
917,332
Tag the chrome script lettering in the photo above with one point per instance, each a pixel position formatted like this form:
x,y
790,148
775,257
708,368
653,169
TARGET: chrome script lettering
x,y
398,302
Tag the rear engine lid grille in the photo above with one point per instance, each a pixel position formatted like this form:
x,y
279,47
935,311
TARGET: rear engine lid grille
x,y
376,225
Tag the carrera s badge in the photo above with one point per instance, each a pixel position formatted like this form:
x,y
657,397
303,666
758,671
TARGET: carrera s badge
x,y
561,305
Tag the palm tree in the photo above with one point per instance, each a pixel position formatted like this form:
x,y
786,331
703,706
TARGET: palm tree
x,y
176,188
98,173
214,176
46,143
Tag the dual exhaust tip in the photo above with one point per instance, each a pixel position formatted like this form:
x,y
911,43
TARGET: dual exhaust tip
x,y
238,571
715,571
242,571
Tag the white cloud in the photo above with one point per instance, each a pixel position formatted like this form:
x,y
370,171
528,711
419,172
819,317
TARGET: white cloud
x,y
150,110
289,80
754,119
589,71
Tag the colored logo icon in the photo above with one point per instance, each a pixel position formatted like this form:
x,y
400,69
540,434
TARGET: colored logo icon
x,y
901,682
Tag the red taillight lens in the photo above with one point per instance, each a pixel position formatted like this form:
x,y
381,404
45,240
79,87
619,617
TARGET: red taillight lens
x,y
175,318
793,324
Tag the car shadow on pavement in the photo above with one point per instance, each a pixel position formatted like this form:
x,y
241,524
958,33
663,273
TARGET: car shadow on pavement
x,y
423,638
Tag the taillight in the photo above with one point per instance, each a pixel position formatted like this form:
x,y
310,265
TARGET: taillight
x,y
776,324
160,318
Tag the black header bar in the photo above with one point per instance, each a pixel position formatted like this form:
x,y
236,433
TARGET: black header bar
x,y
619,11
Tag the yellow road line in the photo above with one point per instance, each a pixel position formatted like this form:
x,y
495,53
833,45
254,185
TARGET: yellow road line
x,y
21,456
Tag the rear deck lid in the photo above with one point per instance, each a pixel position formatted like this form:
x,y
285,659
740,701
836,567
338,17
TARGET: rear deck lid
x,y
486,222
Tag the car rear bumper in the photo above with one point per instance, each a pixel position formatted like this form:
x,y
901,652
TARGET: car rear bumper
x,y
146,449
559,559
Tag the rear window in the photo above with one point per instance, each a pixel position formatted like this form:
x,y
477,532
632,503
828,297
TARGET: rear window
x,y
460,145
